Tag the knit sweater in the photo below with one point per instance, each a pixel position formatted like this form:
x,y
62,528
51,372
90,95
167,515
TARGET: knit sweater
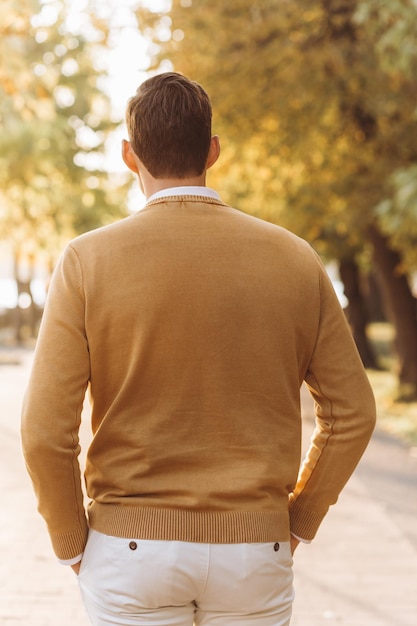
x,y
193,326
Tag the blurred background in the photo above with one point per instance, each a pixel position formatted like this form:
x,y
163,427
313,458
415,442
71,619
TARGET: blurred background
x,y
315,102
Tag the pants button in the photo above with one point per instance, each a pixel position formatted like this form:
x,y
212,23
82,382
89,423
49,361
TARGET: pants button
x,y
276,547
133,545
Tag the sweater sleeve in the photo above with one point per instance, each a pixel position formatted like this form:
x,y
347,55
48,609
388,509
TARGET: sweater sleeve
x,y
345,416
52,408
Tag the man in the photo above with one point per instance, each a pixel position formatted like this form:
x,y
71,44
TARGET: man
x,y
194,326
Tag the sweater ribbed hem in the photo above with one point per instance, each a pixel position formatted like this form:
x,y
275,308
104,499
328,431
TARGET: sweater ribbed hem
x,y
186,525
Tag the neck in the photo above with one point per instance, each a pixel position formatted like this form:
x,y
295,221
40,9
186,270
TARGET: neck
x,y
153,185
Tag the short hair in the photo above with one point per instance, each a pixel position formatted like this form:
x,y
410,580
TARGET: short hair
x,y
169,126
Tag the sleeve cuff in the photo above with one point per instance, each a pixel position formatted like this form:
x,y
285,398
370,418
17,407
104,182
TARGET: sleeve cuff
x,y
72,561
300,539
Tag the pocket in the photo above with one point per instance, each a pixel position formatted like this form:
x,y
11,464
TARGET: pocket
x,y
274,565
283,555
129,575
255,575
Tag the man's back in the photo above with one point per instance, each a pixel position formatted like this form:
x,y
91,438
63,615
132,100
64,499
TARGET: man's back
x,y
201,324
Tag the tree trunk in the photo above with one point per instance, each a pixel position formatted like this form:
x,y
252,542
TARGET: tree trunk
x,y
25,319
17,313
374,303
357,312
401,309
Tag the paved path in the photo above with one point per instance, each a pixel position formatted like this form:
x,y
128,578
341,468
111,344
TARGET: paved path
x,y
361,570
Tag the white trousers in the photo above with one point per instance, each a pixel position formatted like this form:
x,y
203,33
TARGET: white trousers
x,y
130,582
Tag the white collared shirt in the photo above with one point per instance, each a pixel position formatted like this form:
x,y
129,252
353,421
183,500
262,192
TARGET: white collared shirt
x,y
189,190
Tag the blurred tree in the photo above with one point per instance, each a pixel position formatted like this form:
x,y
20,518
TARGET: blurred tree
x,y
319,125
54,120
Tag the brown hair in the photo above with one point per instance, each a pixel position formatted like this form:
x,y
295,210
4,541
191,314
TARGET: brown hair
x,y
169,126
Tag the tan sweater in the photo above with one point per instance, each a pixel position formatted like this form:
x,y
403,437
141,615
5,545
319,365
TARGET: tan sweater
x,y
194,325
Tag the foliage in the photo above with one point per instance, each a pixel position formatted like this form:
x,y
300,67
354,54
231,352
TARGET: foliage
x,y
316,105
398,214
54,121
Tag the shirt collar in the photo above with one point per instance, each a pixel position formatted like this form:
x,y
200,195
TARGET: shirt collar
x,y
206,192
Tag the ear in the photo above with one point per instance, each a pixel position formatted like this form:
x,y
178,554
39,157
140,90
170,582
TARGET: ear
x,y
214,151
129,156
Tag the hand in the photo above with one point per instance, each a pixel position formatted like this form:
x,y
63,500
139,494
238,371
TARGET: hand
x,y
293,543
76,568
